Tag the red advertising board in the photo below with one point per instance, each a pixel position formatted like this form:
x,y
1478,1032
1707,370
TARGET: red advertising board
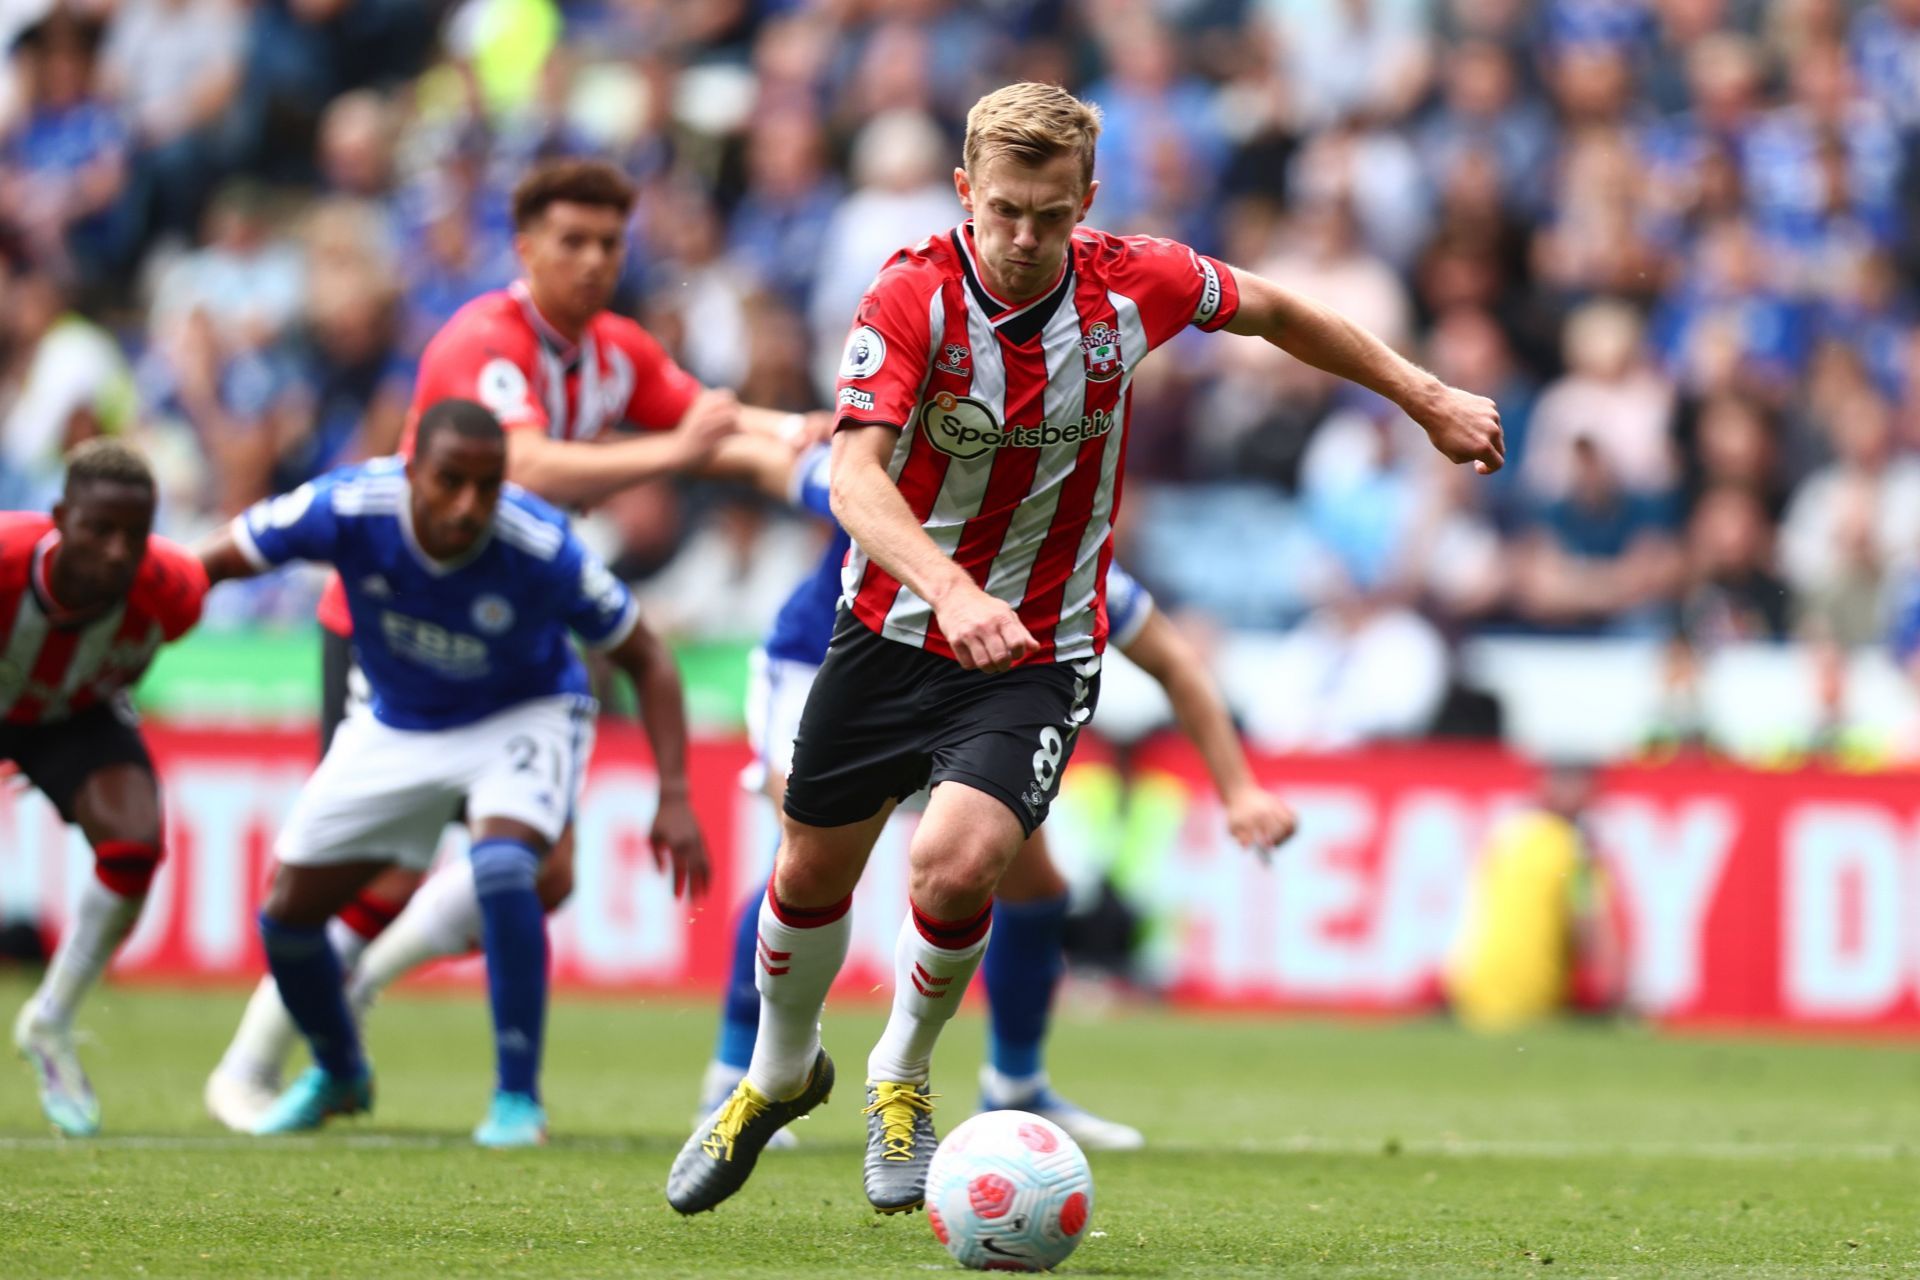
x,y
1749,898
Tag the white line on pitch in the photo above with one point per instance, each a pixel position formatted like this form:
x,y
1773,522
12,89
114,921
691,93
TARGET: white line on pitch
x,y
1296,1144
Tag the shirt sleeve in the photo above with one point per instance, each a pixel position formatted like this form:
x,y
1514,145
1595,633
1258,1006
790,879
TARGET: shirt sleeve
x,y
484,362
662,390
1128,606
175,588
886,357
600,609
300,525
812,487
1175,287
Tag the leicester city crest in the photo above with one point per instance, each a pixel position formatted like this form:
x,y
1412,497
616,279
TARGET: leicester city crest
x,y
492,614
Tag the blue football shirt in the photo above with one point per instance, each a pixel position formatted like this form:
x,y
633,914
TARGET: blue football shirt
x,y
446,643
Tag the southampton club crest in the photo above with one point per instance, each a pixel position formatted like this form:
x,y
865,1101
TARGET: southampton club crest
x,y
1101,343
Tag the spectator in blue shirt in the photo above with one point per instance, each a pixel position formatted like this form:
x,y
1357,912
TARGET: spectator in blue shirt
x,y
1601,559
63,171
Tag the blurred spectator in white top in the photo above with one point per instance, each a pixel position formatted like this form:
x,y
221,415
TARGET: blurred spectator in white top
x,y
1355,57
62,381
1361,669
1852,522
903,192
1611,397
732,575
247,279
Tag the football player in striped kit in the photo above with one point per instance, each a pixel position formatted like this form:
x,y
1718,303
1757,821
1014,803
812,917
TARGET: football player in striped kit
x,y
977,466
1023,967
89,594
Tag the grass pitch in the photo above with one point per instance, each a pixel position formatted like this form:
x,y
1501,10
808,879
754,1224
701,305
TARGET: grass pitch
x,y
1278,1147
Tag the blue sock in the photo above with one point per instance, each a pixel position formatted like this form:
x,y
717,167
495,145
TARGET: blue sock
x,y
312,987
1022,968
513,929
740,1011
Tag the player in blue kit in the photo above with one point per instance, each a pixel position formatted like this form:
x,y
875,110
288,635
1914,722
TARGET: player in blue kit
x,y
1025,958
463,591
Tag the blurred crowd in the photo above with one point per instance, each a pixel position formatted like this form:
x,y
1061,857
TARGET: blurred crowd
x,y
1671,237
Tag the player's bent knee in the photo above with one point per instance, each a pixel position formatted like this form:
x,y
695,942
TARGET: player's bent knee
x,y
809,885
956,887
810,872
127,866
504,865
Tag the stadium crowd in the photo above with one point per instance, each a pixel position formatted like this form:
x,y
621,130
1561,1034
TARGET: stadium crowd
x,y
1671,237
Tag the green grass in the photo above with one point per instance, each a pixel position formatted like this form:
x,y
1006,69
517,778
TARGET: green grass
x,y
1295,1147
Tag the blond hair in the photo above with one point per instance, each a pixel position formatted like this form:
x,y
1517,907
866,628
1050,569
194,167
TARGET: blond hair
x,y
1031,123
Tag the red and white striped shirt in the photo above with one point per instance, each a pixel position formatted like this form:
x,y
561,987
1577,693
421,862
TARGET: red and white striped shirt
x,y
1013,420
499,350
53,662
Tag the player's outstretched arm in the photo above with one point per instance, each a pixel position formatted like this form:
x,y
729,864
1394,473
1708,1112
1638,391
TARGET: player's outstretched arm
x,y
1463,426
1257,819
984,631
220,555
764,463
796,429
676,838
573,473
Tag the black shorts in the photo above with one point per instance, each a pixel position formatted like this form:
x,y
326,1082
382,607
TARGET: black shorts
x,y
59,757
885,719
336,677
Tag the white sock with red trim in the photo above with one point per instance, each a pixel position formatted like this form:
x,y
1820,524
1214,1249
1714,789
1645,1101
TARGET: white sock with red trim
x,y
799,953
101,921
933,962
442,920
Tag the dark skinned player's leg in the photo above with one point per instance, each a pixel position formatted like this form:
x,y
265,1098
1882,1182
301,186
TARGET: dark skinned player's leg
x,y
117,807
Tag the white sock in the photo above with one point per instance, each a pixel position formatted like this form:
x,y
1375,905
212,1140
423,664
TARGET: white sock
x,y
929,983
101,921
267,1035
795,966
442,920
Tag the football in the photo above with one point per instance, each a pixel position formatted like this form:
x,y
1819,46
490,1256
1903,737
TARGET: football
x,y
1008,1191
